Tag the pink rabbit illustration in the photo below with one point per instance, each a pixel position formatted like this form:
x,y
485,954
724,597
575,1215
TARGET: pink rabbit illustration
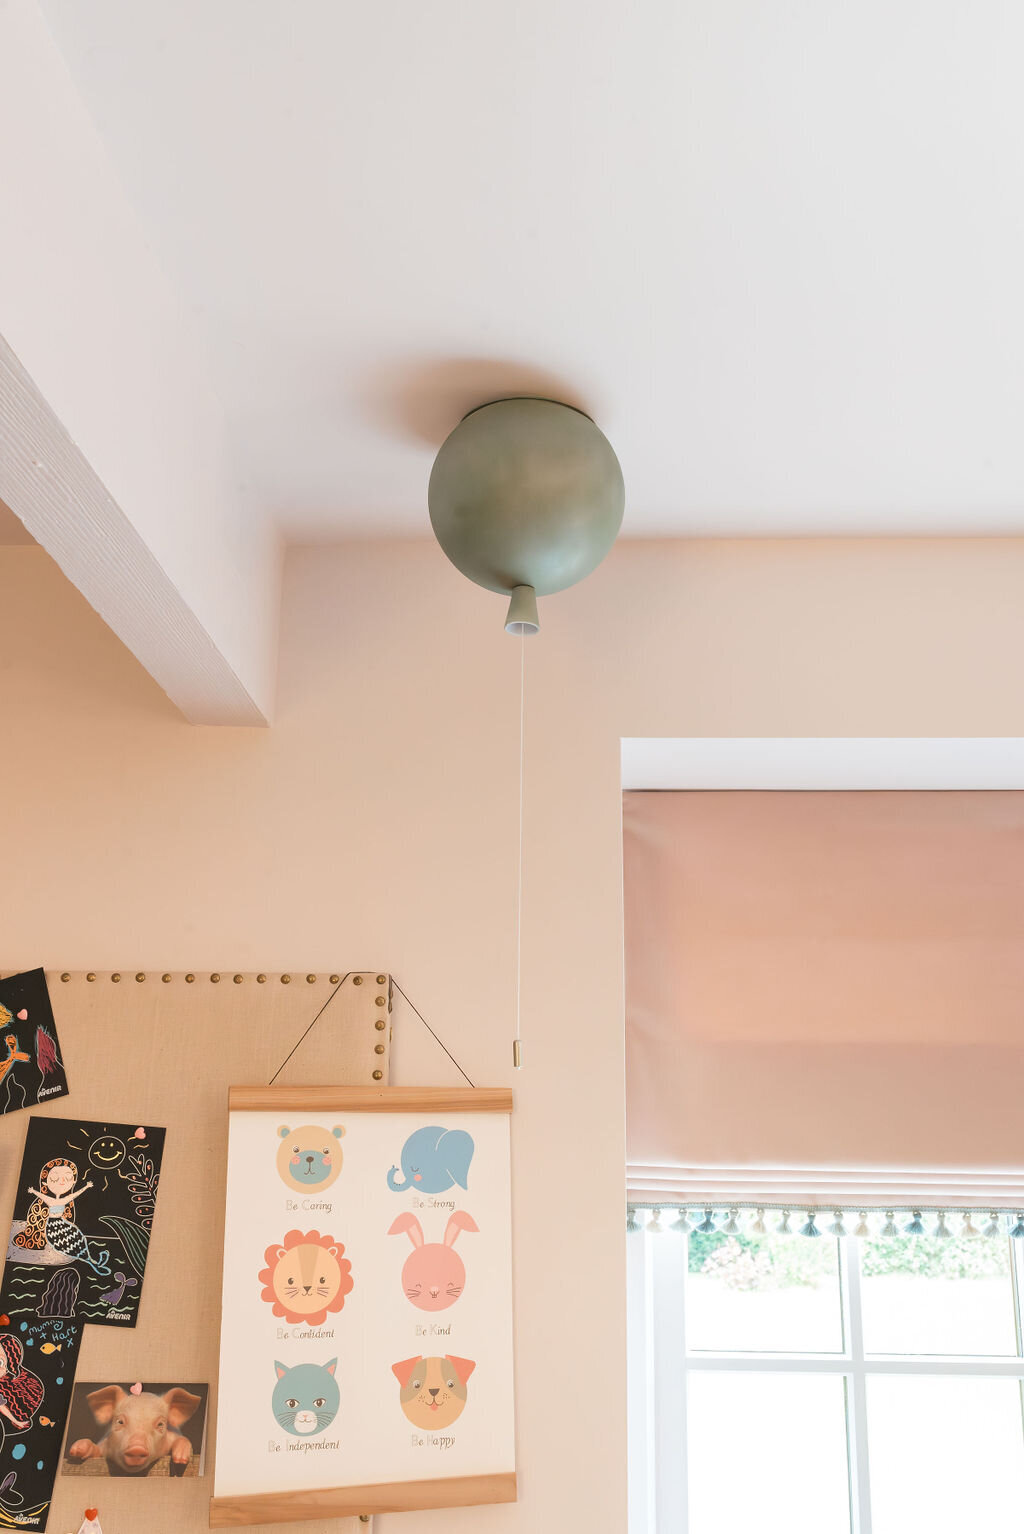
x,y
433,1276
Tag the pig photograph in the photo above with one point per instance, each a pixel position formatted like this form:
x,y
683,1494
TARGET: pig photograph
x,y
136,1430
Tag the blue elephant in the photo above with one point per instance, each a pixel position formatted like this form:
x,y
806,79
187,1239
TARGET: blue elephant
x,y
432,1159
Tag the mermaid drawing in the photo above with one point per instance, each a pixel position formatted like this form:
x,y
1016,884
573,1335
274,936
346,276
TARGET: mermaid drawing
x,y
21,1391
52,1217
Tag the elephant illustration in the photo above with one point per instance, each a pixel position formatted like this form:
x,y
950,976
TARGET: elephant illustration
x,y
433,1159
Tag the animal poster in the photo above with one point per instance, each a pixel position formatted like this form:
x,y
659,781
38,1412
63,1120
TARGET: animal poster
x,y
366,1334
31,1066
136,1430
37,1371
82,1221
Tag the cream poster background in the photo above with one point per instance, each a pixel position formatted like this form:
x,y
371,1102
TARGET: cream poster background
x,y
369,1440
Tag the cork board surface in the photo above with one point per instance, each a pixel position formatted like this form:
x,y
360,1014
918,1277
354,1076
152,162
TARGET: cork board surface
x,y
165,1052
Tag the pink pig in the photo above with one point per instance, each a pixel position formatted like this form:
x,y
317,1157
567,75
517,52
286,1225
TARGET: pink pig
x,y
141,1428
433,1276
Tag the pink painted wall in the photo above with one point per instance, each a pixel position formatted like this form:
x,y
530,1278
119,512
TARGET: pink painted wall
x,y
375,825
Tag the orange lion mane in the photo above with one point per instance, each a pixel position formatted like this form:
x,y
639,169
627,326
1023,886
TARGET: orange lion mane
x,y
275,1253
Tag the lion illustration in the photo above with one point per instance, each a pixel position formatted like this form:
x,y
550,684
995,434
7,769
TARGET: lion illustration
x,y
306,1277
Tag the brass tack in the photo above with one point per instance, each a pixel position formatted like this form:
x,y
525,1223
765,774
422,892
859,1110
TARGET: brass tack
x,y
261,979
286,979
378,1049
91,975
115,978
214,979
310,979
378,1075
357,979
166,979
380,1023
335,979
382,979
190,978
382,1001
238,979
140,976
65,976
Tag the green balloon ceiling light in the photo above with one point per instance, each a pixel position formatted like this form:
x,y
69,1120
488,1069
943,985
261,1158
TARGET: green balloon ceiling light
x,y
526,497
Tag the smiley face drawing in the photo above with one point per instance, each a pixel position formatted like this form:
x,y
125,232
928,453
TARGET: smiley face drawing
x,y
107,1152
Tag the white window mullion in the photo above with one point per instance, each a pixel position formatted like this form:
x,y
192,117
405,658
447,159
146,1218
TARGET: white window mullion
x,y
640,1402
670,1264
856,1386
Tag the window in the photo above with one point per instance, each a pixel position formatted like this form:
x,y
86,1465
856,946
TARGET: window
x,y
825,1386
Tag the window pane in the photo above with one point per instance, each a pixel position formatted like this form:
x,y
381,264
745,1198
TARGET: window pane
x,y
776,1294
763,1442
947,1455
925,1295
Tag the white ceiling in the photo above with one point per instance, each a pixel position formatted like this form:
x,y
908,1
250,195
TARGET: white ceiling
x,y
775,249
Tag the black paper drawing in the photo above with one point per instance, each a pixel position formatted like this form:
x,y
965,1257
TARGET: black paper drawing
x,y
37,1372
31,1066
82,1220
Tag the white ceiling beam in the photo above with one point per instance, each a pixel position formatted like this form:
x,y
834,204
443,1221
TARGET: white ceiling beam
x,y
114,451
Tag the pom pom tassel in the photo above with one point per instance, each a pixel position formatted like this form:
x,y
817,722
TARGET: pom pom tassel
x,y
654,1224
993,1226
758,1227
1018,1230
889,1228
631,1219
915,1227
837,1228
810,1229
731,1227
863,1229
682,1223
707,1225
942,1230
783,1227
970,1229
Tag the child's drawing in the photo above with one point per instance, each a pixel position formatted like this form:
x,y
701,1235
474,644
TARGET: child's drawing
x,y
31,1069
79,1241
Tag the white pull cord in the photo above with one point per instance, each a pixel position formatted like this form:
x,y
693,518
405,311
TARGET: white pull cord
x,y
517,1043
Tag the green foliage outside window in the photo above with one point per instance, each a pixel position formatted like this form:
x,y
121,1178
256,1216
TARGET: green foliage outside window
x,y
785,1262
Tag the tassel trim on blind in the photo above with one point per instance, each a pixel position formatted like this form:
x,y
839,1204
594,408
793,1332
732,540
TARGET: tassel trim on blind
x,y
808,1220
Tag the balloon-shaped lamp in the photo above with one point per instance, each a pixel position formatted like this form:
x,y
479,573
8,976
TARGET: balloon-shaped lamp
x,y
526,498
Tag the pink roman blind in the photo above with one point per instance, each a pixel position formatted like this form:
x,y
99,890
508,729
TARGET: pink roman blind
x,y
825,998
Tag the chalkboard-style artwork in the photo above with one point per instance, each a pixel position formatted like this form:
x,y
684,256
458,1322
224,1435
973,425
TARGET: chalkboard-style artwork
x,y
82,1221
37,1370
136,1430
366,1320
31,1065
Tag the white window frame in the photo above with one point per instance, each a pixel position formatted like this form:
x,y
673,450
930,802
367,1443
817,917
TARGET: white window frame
x,y
657,1385
656,1265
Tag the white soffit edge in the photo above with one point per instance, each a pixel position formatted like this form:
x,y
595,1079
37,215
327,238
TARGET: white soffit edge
x,y
827,764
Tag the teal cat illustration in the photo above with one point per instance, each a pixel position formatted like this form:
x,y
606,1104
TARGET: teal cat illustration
x,y
306,1398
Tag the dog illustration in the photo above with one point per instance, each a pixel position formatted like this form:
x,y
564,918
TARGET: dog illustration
x,y
433,1392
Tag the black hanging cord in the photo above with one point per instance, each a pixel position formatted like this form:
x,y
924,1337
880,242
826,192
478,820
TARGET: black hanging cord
x,y
327,1003
312,1025
430,1030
